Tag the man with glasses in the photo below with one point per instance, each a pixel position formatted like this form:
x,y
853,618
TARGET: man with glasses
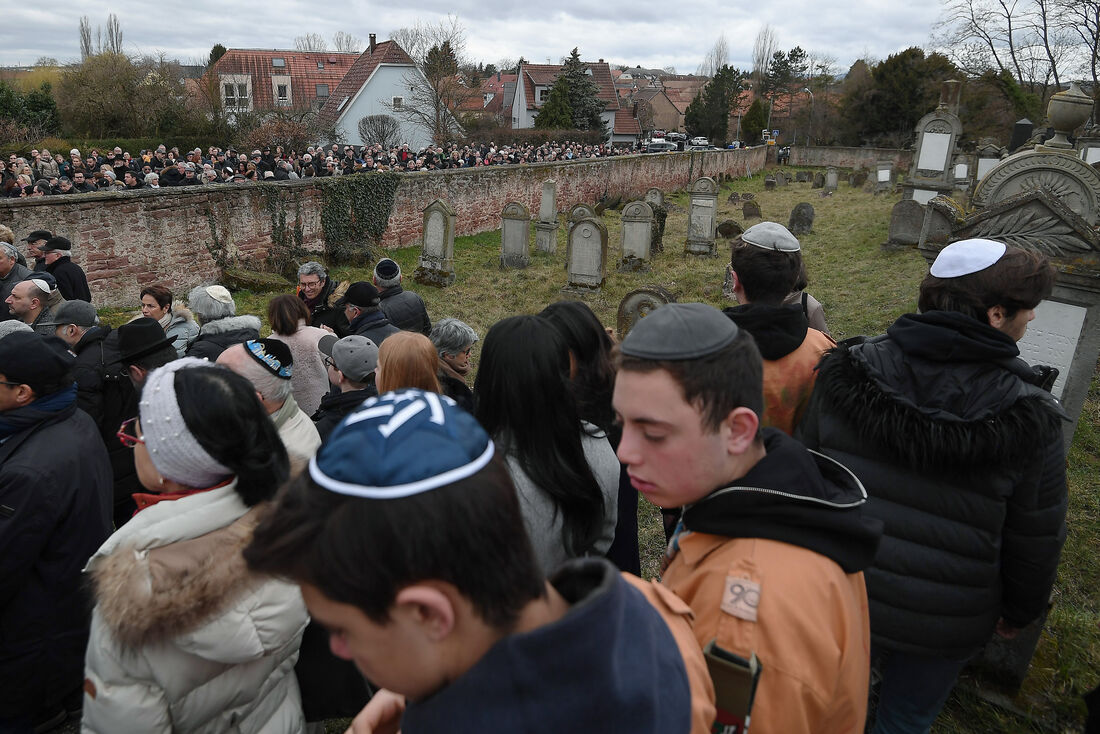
x,y
320,294
350,363
55,511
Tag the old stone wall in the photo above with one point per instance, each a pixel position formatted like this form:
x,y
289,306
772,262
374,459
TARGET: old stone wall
x,y
183,236
850,157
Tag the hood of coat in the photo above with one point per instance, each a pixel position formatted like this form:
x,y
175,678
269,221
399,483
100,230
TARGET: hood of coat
x,y
795,496
231,323
175,567
181,315
777,330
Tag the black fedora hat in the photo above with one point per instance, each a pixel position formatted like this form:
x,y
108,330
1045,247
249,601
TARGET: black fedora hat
x,y
140,337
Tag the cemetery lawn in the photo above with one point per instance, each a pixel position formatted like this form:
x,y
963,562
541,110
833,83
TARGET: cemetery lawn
x,y
863,290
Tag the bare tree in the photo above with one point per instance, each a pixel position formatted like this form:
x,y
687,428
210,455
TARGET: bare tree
x,y
310,42
1082,17
113,35
85,37
717,57
384,130
419,38
437,88
346,43
763,48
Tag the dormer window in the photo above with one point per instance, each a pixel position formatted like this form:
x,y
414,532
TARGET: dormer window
x,y
278,62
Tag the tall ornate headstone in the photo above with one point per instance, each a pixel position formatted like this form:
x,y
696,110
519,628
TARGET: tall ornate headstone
x,y
637,225
932,173
546,228
515,236
638,304
703,218
586,255
436,266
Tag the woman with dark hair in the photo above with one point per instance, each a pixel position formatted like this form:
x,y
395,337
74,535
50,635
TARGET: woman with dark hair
x,y
407,359
592,378
565,471
184,637
289,319
156,303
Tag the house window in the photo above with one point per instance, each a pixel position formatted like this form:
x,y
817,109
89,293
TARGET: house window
x,y
320,64
322,90
398,103
544,94
230,95
278,62
281,93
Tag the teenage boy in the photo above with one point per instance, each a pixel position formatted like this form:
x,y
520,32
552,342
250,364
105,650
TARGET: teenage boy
x,y
407,540
772,541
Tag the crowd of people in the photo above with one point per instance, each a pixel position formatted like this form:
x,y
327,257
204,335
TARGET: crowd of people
x,y
40,173
339,519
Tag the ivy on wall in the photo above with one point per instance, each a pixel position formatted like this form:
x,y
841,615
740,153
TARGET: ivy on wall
x,y
355,212
286,242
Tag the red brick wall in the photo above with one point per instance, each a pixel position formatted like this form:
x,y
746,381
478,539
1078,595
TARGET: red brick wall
x,y
850,157
127,240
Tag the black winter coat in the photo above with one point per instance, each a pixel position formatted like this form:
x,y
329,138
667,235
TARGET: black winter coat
x,y
55,511
406,310
71,280
335,406
217,336
374,325
962,458
326,312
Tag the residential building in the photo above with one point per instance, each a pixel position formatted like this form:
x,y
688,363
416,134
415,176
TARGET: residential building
x,y
250,80
533,88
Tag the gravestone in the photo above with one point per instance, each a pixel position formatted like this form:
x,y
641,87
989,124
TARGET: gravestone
x,y
819,180
733,198
906,221
436,266
750,210
802,176
1021,133
576,214
831,179
781,179
932,172
769,183
660,215
802,219
515,236
546,228
586,256
637,305
702,218
729,229
989,155
884,176
637,225
1075,182
655,197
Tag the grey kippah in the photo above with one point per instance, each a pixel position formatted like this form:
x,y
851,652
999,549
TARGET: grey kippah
x,y
680,331
771,236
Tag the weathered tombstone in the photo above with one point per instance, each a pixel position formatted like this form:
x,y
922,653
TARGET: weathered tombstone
x,y
637,305
906,220
884,176
750,210
729,229
733,198
577,213
660,215
546,228
932,172
802,176
802,219
781,179
989,155
702,218
819,180
1021,133
655,197
637,225
515,236
857,179
436,266
769,183
831,179
586,255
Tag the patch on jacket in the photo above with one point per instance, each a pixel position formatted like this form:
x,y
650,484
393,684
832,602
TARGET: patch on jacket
x,y
740,598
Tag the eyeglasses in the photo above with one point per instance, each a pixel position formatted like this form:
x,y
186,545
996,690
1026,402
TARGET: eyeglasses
x,y
11,384
327,361
127,435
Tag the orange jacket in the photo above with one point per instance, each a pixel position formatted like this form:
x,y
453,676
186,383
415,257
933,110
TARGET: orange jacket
x,y
811,631
789,381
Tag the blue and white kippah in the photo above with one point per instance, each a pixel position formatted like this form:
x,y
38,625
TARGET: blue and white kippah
x,y
400,444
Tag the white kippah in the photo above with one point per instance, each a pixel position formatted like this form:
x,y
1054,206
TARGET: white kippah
x,y
967,256
176,453
219,293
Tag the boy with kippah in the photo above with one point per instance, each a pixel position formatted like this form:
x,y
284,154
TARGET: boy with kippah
x,y
772,541
406,538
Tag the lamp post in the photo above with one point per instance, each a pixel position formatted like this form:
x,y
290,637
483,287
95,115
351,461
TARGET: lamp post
x,y
812,105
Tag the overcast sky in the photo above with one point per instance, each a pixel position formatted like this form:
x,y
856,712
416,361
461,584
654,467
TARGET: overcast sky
x,y
650,33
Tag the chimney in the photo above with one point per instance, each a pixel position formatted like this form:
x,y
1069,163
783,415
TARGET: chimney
x,y
372,40
601,61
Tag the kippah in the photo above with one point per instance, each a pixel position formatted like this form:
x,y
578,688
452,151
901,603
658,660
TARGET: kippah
x,y
219,293
967,256
273,355
771,236
680,331
401,444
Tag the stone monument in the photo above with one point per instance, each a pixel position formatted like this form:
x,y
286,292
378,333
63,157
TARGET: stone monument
x,y
802,219
819,180
637,225
769,183
884,177
989,155
637,305
937,134
750,210
586,256
831,179
515,236
702,218
802,176
546,228
437,252
655,197
577,213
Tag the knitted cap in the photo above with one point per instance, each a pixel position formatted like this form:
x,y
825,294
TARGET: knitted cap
x,y
387,273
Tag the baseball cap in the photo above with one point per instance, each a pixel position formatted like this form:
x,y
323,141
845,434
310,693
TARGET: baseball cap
x,y
356,356
80,313
361,294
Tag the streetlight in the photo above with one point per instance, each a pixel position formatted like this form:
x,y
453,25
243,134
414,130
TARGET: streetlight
x,y
812,105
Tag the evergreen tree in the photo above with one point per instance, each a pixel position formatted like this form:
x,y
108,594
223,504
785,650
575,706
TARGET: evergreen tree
x,y
556,113
215,53
709,113
754,121
583,94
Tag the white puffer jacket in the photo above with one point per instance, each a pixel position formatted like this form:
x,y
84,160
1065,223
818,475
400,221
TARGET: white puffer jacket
x,y
184,638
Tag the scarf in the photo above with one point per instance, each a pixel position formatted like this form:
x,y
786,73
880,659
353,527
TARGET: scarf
x,y
165,320
42,409
148,499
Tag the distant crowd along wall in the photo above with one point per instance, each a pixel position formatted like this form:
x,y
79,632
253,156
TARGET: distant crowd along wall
x,y
182,237
850,157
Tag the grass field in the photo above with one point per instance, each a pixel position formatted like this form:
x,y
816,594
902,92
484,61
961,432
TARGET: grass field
x,y
863,289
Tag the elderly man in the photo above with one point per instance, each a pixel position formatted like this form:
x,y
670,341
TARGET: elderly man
x,y
71,281
320,294
27,303
34,241
364,314
268,365
55,511
11,273
404,309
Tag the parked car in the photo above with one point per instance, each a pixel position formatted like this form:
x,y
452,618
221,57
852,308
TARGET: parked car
x,y
700,141
676,136
659,146
658,134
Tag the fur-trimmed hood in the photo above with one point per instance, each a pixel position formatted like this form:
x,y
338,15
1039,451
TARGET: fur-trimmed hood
x,y
231,323
181,315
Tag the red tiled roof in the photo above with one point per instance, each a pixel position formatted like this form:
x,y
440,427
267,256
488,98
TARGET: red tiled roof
x,y
496,104
300,66
681,90
546,74
626,123
496,82
386,52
